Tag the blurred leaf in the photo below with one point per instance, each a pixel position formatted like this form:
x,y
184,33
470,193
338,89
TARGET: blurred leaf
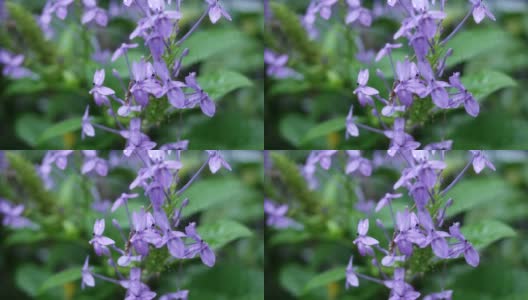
x,y
203,44
25,87
220,83
222,232
470,43
484,83
61,278
324,129
325,278
24,236
28,127
29,278
60,129
293,127
486,232
208,193
473,192
289,236
294,278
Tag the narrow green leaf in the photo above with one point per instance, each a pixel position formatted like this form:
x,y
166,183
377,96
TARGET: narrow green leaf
x,y
61,278
484,83
222,232
325,278
471,193
220,83
293,127
486,232
60,129
324,129
28,278
24,236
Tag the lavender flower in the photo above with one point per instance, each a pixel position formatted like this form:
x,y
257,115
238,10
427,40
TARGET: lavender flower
x,y
463,247
12,216
200,247
87,277
123,49
363,91
276,215
99,91
357,163
363,241
216,11
181,295
480,11
136,290
351,277
87,127
99,241
216,161
480,161
92,162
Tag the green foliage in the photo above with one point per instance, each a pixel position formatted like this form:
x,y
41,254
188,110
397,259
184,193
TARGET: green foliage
x,y
220,83
30,182
324,129
222,232
486,82
485,232
61,278
325,278
294,181
296,34
60,129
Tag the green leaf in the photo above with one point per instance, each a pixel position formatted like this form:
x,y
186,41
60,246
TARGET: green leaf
x,y
25,87
324,129
484,83
60,129
61,278
471,193
486,232
289,236
28,128
220,83
29,277
470,43
25,236
325,278
293,127
294,277
208,193
222,232
206,43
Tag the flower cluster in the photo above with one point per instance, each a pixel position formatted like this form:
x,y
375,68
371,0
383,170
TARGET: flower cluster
x,y
417,77
151,229
12,215
152,77
419,227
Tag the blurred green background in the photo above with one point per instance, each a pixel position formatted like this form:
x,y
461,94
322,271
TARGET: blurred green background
x,y
46,114
310,113
307,265
46,264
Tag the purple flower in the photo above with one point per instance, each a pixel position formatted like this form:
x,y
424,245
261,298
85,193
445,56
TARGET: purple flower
x,y
358,13
94,13
276,65
351,277
13,66
92,162
136,140
276,215
87,127
199,96
122,50
399,139
99,91
87,277
386,200
357,163
122,200
12,215
136,290
386,50
437,239
463,247
444,295
407,232
351,127
400,290
216,11
200,247
144,232
216,161
363,91
363,241
181,295
463,96
99,241
480,161
480,11
408,82
144,82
